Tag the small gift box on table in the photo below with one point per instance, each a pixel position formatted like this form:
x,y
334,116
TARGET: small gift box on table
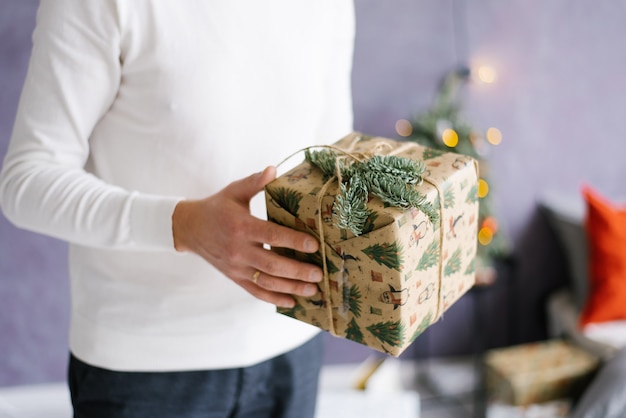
x,y
392,276
538,372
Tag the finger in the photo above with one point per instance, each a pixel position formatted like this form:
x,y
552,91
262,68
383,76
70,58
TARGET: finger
x,y
285,286
276,265
268,175
275,235
246,188
279,299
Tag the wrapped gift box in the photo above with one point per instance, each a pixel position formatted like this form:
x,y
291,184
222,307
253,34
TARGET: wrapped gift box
x,y
385,287
538,372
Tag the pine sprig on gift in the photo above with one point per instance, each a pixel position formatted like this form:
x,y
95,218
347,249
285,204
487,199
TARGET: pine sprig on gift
x,y
407,170
325,160
391,178
395,192
350,208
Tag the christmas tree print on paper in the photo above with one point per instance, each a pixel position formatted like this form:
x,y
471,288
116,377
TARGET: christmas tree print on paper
x,y
288,199
352,297
353,332
389,332
387,254
453,265
430,256
472,195
297,310
316,258
376,311
431,153
470,268
369,223
426,321
448,198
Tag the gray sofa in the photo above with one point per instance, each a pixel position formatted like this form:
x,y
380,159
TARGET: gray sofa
x,y
605,397
565,214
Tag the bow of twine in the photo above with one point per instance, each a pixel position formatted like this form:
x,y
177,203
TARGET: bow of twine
x,y
348,153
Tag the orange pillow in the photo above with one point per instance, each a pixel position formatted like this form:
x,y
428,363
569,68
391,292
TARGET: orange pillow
x,y
605,225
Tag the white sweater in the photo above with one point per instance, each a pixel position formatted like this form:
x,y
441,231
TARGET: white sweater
x,y
129,106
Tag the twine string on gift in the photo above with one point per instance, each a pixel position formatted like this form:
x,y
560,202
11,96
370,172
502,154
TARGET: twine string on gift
x,y
438,311
379,148
326,279
320,235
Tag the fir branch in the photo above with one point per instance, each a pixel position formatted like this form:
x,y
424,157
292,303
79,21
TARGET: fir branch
x,y
395,192
405,169
350,208
325,160
389,177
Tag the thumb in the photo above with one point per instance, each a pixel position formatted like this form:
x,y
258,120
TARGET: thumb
x,y
246,188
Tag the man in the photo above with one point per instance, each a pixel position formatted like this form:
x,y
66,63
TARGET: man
x,y
137,130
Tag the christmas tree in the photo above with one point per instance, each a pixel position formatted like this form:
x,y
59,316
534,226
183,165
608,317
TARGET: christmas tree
x,y
422,326
316,258
288,199
353,297
369,222
353,332
430,256
389,332
453,265
448,198
292,312
387,254
441,128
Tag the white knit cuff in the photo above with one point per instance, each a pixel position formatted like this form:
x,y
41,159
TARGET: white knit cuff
x,y
151,221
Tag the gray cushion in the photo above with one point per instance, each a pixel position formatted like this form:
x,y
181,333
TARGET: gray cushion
x,y
566,216
606,395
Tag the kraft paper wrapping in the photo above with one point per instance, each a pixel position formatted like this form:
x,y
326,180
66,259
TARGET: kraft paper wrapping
x,y
385,287
538,372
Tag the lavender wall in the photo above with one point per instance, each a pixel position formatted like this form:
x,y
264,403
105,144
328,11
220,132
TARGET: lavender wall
x,y
558,100
34,296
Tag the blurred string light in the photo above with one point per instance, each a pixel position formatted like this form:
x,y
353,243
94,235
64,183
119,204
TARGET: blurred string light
x,y
488,229
485,236
443,127
483,188
494,136
450,138
485,74
404,128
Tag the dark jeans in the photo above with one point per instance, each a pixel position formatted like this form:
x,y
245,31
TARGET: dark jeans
x,y
285,386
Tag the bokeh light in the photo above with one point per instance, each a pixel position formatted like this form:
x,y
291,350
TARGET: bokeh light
x,y
490,223
450,137
485,236
483,188
487,74
494,136
404,128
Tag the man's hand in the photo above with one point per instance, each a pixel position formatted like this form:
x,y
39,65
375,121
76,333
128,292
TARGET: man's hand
x,y
221,229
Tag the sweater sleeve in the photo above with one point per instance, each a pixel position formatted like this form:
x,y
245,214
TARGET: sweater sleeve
x,y
72,80
337,116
